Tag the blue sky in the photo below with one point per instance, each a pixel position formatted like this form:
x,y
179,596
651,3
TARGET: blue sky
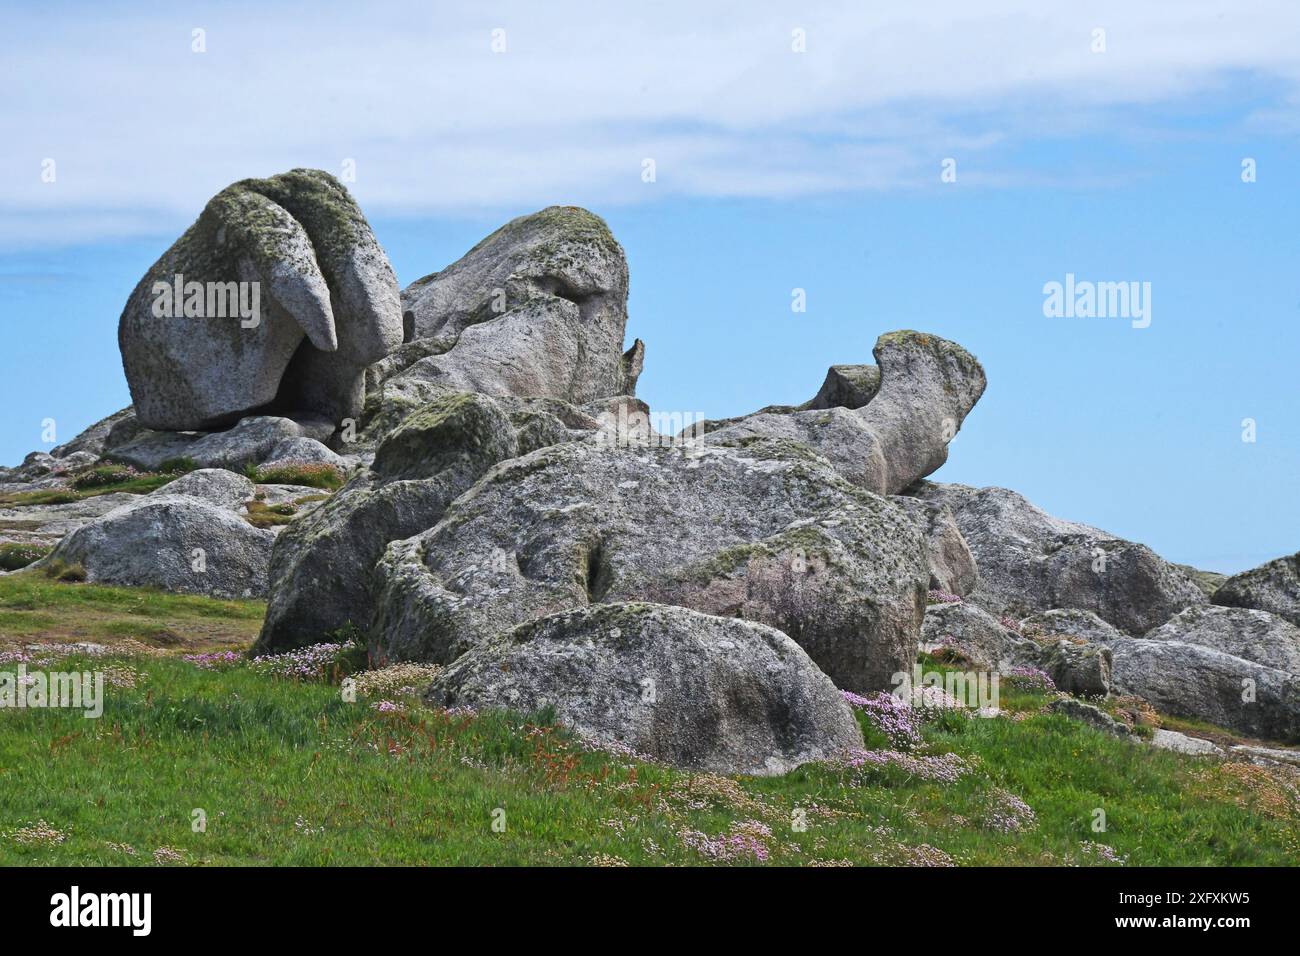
x,y
774,171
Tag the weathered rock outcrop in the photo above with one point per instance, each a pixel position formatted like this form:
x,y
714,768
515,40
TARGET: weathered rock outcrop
x,y
1070,623
978,636
1254,635
213,485
769,533
690,689
1189,680
172,542
927,387
321,567
1273,587
252,441
319,303
1030,561
537,309
952,567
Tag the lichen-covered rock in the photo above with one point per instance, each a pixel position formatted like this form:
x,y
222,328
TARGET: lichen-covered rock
x,y
321,565
538,308
1189,680
978,636
214,485
252,441
1273,587
1070,623
689,689
927,387
117,428
1030,561
173,542
1090,714
1080,669
769,533
317,304
952,567
306,451
1255,635
1183,744
847,386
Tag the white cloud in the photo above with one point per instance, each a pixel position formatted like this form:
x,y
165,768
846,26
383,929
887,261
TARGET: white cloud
x,y
143,130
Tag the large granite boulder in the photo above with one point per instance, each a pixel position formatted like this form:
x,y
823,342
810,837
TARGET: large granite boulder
x,y
1191,680
978,637
320,569
1255,635
251,441
927,387
694,690
1069,623
214,485
952,567
284,298
769,532
1030,561
1273,587
536,309
172,542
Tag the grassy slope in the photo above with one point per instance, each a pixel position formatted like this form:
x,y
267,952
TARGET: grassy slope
x,y
290,773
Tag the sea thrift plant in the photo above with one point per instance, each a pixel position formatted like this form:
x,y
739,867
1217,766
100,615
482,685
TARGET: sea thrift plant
x,y
1030,679
1008,813
306,663
743,840
891,716
939,768
214,660
936,596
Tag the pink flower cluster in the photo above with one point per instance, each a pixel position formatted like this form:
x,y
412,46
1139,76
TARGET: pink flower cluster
x,y
214,660
1009,814
935,596
744,840
891,716
1010,623
1031,679
305,663
939,768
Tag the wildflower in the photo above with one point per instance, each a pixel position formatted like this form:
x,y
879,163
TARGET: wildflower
x,y
1030,679
167,855
743,840
891,716
936,596
396,680
214,660
39,833
940,768
1101,852
305,663
1009,814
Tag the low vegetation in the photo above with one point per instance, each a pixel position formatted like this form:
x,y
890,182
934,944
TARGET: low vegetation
x,y
16,555
310,474
202,757
104,479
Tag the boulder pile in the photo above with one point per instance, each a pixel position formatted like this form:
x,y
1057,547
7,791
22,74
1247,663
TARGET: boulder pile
x,y
506,509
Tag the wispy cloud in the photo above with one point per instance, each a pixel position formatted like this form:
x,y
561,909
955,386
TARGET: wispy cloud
x,y
143,130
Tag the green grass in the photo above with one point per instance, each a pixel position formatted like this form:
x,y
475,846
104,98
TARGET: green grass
x,y
141,484
262,515
290,773
36,606
310,474
15,555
